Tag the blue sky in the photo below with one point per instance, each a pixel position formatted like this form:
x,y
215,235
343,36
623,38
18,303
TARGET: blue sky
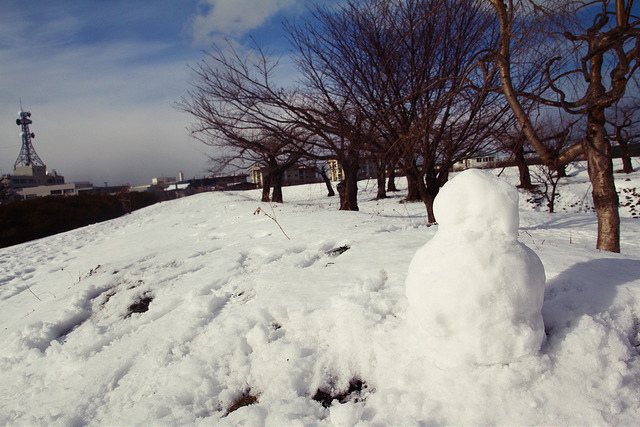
x,y
100,78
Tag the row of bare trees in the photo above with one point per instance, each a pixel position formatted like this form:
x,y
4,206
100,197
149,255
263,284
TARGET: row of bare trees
x,y
421,84
393,81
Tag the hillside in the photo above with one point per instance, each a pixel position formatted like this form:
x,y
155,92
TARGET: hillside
x,y
205,311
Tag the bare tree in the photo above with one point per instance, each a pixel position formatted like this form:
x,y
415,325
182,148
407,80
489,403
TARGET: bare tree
x,y
624,121
548,179
608,44
557,133
395,78
458,114
330,110
237,111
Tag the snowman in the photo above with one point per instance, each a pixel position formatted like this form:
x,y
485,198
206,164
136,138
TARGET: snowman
x,y
474,292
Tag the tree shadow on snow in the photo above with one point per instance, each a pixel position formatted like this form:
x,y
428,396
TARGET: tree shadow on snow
x,y
586,288
562,222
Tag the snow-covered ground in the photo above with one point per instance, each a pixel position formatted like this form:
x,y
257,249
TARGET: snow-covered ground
x,y
170,315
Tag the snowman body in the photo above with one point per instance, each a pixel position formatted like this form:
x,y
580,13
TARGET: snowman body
x,y
474,291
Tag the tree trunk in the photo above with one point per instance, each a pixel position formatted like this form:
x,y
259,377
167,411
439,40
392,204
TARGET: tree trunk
x,y
413,190
624,152
391,182
266,187
418,192
350,201
429,192
349,198
523,168
327,182
551,181
562,171
600,166
382,193
428,202
277,177
627,167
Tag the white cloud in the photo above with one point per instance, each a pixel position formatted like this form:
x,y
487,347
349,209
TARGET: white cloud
x,y
100,113
234,18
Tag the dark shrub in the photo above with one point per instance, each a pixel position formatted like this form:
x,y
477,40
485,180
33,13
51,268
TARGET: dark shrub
x,y
35,218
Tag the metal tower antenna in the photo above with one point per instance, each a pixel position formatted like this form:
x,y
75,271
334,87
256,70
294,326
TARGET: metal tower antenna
x,y
28,155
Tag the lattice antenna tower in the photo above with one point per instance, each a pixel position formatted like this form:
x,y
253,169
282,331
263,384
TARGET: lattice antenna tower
x,y
28,155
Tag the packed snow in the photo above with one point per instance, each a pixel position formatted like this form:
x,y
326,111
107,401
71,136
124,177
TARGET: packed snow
x,y
202,311
488,309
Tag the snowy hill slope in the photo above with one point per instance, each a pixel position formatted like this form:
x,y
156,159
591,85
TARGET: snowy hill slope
x,y
171,314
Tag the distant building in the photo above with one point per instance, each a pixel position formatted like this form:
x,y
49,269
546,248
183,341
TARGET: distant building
x,y
256,176
295,175
55,190
30,177
334,171
164,180
368,169
479,162
491,160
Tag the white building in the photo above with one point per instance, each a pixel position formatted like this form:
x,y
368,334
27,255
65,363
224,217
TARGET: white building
x,y
55,190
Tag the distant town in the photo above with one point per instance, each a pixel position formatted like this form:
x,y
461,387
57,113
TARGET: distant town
x,y
31,178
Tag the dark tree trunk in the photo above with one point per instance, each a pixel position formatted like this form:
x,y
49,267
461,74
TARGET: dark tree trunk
x,y
523,168
349,199
429,193
413,190
277,177
627,167
596,146
391,182
382,193
552,199
420,192
327,182
562,171
266,187
428,202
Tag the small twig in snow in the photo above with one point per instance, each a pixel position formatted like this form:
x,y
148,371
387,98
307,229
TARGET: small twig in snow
x,y
272,217
532,241
29,288
33,293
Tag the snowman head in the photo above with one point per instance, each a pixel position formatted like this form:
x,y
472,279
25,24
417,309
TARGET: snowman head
x,y
477,202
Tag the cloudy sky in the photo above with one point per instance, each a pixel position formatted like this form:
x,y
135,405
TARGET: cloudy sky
x,y
100,79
